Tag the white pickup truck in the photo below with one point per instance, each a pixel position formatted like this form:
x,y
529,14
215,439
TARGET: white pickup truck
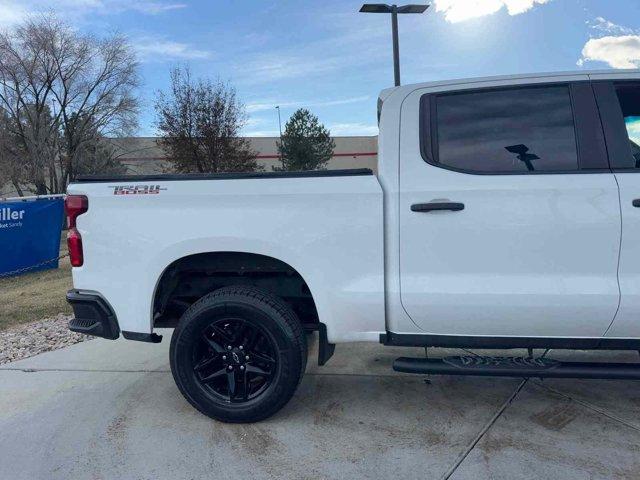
x,y
504,214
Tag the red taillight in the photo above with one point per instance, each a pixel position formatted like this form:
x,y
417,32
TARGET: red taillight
x,y
75,205
74,244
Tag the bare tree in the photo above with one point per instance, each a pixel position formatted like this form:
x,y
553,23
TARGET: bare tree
x,y
65,92
200,123
94,155
12,173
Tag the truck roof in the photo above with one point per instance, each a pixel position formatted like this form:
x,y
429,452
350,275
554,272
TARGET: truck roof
x,y
607,74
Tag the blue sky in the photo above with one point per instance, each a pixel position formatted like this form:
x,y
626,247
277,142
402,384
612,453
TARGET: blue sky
x,y
325,56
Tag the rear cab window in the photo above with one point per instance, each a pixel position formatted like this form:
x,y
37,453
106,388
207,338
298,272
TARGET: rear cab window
x,y
513,130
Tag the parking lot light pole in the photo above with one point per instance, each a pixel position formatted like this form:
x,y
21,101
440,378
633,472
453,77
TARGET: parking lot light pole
x,y
280,127
394,10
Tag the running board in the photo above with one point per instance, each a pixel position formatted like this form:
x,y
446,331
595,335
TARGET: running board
x,y
516,367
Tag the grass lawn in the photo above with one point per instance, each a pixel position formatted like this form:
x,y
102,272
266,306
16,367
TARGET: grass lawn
x,y
34,296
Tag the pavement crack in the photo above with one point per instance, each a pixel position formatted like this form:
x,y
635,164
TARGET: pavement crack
x,y
33,370
489,424
590,406
484,430
102,370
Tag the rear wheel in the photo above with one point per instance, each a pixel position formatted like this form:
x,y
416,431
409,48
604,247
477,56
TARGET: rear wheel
x,y
238,354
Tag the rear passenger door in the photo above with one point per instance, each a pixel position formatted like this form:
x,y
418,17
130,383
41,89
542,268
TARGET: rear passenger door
x,y
619,104
509,215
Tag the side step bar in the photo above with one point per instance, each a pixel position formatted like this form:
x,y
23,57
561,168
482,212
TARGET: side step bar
x,y
517,367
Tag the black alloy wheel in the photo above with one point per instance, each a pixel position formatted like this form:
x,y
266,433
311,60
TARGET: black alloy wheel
x,y
236,360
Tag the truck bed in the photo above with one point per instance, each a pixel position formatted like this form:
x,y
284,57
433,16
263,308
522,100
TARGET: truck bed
x,y
326,225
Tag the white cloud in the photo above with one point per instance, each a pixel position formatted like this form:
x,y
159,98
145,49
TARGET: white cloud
x,y
280,66
261,133
618,52
312,59
607,27
352,129
252,122
345,48
11,13
157,49
153,8
262,106
14,11
460,10
72,3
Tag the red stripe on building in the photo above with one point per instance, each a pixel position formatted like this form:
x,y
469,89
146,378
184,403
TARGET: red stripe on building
x,y
354,154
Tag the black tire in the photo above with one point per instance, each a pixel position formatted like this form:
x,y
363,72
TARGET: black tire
x,y
235,390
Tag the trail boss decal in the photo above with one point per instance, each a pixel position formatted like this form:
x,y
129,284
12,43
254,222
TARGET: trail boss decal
x,y
136,189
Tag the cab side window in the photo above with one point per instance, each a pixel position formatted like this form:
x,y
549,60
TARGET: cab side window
x,y
511,130
629,98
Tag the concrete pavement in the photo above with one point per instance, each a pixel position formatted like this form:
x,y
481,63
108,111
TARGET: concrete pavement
x,y
110,410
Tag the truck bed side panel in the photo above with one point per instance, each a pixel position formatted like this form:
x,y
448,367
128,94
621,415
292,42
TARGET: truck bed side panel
x,y
330,229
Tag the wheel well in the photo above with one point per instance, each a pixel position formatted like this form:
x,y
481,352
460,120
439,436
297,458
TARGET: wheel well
x,y
190,278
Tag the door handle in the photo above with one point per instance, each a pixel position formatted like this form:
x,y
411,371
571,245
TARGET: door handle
x,y
636,202
434,206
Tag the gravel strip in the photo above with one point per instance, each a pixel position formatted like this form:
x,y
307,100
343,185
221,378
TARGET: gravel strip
x,y
37,337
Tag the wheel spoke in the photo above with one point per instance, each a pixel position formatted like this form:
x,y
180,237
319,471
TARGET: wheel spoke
x,y
214,344
231,380
238,336
245,386
251,339
259,357
204,363
220,333
213,376
258,371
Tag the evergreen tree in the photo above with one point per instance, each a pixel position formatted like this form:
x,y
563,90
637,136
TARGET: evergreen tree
x,y
306,144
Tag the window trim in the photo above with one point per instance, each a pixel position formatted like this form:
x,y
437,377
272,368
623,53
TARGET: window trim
x,y
428,129
615,131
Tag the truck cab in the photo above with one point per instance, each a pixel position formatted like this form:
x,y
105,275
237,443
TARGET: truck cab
x,y
510,202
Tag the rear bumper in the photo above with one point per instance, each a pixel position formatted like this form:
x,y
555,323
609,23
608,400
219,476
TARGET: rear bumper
x,y
93,315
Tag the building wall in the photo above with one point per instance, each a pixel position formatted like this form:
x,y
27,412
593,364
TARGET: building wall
x,y
143,155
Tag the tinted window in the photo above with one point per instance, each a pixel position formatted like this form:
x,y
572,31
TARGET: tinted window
x,y
507,131
629,97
